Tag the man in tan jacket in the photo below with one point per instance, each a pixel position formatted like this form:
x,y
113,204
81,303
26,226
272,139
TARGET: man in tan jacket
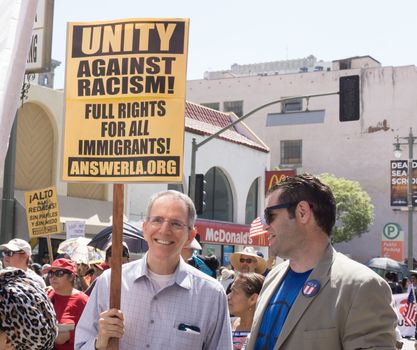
x,y
317,299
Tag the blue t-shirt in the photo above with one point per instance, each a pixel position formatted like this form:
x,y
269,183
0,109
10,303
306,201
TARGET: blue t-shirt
x,y
278,308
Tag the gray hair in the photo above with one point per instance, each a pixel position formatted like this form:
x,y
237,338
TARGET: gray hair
x,y
192,215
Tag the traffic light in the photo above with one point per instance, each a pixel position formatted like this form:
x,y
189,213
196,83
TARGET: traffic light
x,y
349,99
200,193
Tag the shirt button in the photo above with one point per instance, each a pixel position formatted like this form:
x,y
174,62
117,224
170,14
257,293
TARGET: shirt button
x,y
155,298
148,346
152,321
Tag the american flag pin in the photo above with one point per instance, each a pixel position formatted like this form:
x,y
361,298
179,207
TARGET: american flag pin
x,y
311,288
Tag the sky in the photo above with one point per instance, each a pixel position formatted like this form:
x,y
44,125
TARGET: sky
x,y
224,32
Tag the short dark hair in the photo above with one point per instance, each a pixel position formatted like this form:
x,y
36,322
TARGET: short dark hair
x,y
309,188
124,254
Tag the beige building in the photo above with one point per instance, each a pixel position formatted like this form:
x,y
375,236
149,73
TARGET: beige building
x,y
235,183
306,134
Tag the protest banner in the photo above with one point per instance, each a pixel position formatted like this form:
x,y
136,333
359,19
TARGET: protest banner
x,y
406,329
125,101
75,228
42,212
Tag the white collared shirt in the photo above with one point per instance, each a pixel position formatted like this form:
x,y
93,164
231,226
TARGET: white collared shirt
x,y
156,320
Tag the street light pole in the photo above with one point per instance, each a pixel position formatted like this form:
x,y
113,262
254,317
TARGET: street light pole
x,y
410,200
410,142
196,146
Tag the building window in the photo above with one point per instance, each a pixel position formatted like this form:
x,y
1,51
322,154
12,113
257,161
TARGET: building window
x,y
219,198
344,64
291,151
252,203
295,105
233,106
212,105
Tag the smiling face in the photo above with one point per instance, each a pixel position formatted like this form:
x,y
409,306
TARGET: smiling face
x,y
166,240
283,233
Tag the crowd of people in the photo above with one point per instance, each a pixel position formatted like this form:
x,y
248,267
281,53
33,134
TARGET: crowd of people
x,y
175,298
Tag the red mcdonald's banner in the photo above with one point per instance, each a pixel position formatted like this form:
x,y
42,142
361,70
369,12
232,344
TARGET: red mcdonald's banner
x,y
274,176
220,232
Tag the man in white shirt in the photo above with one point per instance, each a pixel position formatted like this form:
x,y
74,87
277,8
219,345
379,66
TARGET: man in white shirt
x,y
16,253
165,303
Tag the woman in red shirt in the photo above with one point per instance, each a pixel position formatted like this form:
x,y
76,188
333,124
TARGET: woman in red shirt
x,y
68,302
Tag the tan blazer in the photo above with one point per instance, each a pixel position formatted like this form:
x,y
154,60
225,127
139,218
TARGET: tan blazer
x,y
352,309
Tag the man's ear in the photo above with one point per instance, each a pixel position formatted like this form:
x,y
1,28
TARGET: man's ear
x,y
304,211
191,235
194,232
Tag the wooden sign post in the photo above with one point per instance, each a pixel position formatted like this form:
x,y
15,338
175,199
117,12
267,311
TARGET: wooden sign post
x,y
117,250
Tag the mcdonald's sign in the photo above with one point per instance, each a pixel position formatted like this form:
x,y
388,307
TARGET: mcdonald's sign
x,y
274,176
219,232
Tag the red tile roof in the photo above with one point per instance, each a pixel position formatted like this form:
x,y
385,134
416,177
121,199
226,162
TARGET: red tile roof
x,y
206,121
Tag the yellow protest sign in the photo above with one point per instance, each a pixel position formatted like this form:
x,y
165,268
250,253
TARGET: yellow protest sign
x,y
125,101
42,212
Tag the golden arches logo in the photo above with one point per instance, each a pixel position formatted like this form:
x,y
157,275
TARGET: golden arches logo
x,y
276,178
262,240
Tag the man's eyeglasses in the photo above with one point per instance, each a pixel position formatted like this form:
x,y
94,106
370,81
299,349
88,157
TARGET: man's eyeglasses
x,y
10,253
269,217
247,261
174,225
58,273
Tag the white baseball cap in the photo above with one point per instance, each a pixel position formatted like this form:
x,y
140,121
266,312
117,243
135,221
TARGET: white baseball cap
x,y
17,244
195,245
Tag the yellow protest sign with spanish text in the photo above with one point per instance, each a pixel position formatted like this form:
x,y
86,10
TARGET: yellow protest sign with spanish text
x,y
42,212
125,101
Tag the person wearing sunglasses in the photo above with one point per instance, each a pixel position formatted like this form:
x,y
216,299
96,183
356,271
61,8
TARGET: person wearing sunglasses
x,y
68,302
165,302
248,261
317,298
16,253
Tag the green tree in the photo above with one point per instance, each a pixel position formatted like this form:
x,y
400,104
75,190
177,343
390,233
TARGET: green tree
x,y
354,212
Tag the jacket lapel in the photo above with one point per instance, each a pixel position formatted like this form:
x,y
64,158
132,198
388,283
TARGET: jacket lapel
x,y
275,276
301,303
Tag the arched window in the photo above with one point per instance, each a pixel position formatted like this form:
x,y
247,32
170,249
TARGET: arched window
x,y
252,203
219,199
34,148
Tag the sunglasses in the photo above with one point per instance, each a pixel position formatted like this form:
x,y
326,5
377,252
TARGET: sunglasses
x,y
10,253
58,273
269,217
247,261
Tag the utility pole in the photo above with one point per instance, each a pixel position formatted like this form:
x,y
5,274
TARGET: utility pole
x,y
195,146
410,208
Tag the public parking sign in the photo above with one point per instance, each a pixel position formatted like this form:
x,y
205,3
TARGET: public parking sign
x,y
392,242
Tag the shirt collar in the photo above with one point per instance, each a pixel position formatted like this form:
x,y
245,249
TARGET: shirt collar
x,y
182,274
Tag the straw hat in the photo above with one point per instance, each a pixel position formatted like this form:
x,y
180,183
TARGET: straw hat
x,y
249,251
